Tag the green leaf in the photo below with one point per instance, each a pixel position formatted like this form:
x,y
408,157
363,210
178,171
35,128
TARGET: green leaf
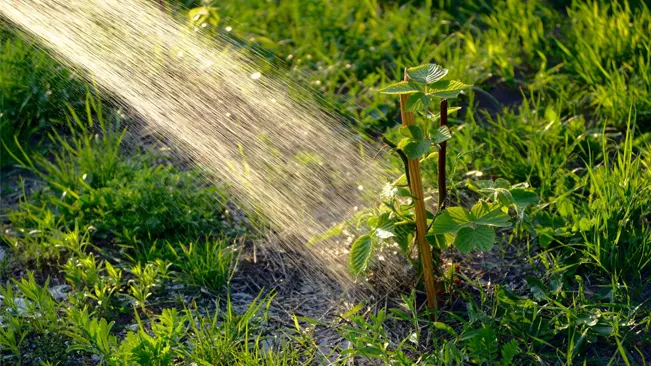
x,y
481,237
447,328
382,233
502,183
426,74
331,233
509,351
441,134
404,234
403,87
489,214
416,149
360,253
204,14
437,116
446,89
353,311
537,287
430,156
603,330
382,225
481,186
440,241
451,220
523,197
412,131
372,352
504,197
417,102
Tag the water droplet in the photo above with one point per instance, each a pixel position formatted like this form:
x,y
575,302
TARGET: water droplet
x,y
256,75
180,54
361,188
228,29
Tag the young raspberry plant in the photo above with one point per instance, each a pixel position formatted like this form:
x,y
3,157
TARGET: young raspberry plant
x,y
394,222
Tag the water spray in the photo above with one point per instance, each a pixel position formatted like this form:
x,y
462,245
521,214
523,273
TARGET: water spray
x,y
244,127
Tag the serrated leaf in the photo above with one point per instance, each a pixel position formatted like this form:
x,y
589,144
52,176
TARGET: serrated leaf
x,y
440,241
451,220
403,87
426,74
481,237
416,132
485,238
446,89
381,221
523,198
481,186
489,214
383,233
417,102
416,149
382,225
404,234
502,183
504,197
360,253
463,241
441,134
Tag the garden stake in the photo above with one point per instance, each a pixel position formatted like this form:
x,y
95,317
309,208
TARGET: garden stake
x,y
431,286
442,188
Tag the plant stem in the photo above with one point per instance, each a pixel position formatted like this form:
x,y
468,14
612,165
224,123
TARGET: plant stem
x,y
431,286
442,151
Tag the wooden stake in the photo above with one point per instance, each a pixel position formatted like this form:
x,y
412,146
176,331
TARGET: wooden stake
x,y
442,187
431,286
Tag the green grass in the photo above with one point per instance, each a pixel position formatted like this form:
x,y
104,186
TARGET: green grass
x,y
561,101
33,89
109,225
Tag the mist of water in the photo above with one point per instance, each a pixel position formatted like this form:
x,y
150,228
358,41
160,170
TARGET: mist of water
x,y
286,158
